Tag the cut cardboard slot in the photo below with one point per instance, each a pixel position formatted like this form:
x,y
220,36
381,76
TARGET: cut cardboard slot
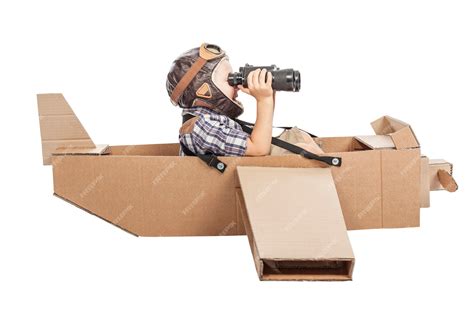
x,y
294,223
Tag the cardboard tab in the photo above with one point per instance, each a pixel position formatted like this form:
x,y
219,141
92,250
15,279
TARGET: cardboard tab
x,y
435,166
447,181
59,126
294,222
401,133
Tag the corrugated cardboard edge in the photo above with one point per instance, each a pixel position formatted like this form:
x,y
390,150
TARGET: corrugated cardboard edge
x,y
59,126
259,262
98,150
253,247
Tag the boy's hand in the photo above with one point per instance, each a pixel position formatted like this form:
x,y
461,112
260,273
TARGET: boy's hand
x,y
257,86
259,142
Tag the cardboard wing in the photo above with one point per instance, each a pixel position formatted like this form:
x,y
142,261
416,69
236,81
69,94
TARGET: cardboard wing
x,y
294,223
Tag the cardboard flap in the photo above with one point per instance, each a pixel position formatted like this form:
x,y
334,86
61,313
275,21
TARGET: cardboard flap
x,y
295,220
377,141
59,126
401,133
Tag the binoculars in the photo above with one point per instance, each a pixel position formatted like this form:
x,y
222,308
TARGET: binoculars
x,y
283,80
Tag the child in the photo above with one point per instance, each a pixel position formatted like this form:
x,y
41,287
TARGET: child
x,y
197,82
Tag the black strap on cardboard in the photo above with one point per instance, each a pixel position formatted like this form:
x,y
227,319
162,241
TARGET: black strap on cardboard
x,y
331,161
210,159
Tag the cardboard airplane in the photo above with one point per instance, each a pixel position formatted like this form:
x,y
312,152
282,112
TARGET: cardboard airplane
x,y
295,211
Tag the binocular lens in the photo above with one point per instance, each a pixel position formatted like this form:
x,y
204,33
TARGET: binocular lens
x,y
297,81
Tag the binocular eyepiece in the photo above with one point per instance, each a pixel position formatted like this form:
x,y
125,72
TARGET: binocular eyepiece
x,y
283,80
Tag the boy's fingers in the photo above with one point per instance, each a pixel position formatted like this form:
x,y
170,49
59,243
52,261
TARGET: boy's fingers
x,y
250,80
255,76
269,78
262,75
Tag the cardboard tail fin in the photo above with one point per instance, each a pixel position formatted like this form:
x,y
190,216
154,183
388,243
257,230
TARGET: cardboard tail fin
x,y
60,128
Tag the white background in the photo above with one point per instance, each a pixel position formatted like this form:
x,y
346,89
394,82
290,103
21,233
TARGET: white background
x,y
359,60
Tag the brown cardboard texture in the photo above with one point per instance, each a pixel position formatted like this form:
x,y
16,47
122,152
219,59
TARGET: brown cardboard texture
x,y
378,188
59,126
98,150
441,176
294,222
447,181
377,141
149,190
401,133
425,182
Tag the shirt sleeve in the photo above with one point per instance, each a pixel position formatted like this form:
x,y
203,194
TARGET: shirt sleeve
x,y
219,136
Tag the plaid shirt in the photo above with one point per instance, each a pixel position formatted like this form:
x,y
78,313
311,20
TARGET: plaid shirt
x,y
214,133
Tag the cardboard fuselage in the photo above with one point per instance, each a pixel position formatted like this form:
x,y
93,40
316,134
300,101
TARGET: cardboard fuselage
x,y
151,191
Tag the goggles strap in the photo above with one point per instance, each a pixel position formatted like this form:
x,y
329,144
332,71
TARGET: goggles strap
x,y
186,79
